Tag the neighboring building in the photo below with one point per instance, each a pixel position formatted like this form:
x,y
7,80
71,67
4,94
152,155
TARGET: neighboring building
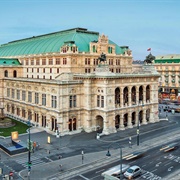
x,y
57,81
169,68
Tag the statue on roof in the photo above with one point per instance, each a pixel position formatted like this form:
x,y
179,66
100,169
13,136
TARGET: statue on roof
x,y
149,59
102,57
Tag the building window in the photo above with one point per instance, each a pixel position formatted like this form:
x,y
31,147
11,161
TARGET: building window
x,y
37,62
57,70
72,101
64,61
29,96
36,98
50,70
18,94
87,61
37,70
50,61
57,61
23,113
18,111
110,50
23,95
8,92
5,73
27,62
44,70
32,62
87,70
12,95
44,99
53,101
43,61
27,69
100,101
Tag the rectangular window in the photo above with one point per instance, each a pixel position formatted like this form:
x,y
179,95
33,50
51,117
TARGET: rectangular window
x,y
57,61
72,101
50,61
32,61
102,101
43,61
23,95
98,101
53,101
29,96
64,61
50,70
37,62
8,92
44,99
12,95
37,70
18,94
27,62
23,113
36,98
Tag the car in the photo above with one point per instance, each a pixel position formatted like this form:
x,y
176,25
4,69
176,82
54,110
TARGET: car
x,y
132,172
169,147
115,171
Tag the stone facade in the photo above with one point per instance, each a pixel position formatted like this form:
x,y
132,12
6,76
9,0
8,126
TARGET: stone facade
x,y
72,91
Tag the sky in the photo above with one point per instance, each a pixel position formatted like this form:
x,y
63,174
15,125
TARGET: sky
x,y
139,24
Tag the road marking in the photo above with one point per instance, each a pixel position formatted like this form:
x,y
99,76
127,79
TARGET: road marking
x,y
146,156
157,165
154,170
100,170
169,169
167,164
143,165
151,162
83,177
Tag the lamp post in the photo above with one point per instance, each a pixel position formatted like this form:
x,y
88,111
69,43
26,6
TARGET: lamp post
x,y
109,154
29,147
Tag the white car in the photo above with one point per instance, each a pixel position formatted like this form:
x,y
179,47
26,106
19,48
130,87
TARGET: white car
x,y
132,172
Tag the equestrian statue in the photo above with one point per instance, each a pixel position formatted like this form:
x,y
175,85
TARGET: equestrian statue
x,y
149,59
102,57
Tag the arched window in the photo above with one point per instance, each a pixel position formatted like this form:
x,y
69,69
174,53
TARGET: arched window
x,y
5,73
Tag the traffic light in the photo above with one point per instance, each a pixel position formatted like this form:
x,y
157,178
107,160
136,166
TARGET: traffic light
x,y
30,145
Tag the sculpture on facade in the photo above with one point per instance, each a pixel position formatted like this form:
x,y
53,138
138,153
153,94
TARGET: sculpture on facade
x,y
102,58
149,59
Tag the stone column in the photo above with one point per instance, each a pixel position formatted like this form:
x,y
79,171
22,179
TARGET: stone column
x,y
144,95
129,96
151,118
144,121
122,122
121,97
129,125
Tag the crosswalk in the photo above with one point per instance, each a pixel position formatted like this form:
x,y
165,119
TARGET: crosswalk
x,y
35,161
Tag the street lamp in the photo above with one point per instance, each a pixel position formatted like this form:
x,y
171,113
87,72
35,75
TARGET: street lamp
x,y
109,154
30,148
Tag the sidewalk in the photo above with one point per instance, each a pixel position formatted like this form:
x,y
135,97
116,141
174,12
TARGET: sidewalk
x,y
75,165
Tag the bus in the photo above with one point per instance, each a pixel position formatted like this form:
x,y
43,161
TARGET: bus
x,y
114,172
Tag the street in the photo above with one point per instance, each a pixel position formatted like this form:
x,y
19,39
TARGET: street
x,y
70,146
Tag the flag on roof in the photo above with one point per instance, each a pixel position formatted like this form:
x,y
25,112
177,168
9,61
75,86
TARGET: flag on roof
x,y
149,49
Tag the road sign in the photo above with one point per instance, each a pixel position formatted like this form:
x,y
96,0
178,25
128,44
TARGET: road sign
x,y
11,173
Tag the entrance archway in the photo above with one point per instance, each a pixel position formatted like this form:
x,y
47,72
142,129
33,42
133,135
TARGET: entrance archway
x,y
117,121
133,118
125,119
99,123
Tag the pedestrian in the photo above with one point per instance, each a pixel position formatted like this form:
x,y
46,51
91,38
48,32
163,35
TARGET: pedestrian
x,y
60,167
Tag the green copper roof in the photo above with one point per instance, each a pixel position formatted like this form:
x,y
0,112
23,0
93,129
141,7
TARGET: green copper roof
x,y
170,58
49,43
6,62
